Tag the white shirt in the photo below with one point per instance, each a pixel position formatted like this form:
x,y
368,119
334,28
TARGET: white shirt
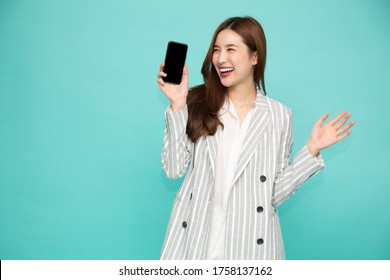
x,y
230,140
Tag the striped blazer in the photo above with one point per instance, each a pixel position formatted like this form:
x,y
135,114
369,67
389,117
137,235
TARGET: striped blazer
x,y
264,179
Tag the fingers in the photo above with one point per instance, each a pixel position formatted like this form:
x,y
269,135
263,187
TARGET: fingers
x,y
185,74
346,129
337,118
160,80
321,120
161,74
342,121
343,136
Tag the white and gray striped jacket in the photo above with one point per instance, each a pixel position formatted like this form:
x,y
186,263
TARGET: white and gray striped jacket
x,y
264,179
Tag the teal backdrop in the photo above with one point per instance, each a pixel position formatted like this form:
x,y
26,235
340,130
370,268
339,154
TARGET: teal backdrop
x,y
82,120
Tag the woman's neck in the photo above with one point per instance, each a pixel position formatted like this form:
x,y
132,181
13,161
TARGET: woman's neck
x,y
243,95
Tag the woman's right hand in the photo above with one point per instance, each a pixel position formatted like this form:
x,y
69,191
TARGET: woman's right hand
x,y
176,94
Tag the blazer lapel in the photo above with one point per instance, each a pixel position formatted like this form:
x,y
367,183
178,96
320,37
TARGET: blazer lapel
x,y
257,127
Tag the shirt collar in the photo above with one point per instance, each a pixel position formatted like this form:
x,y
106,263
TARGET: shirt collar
x,y
228,107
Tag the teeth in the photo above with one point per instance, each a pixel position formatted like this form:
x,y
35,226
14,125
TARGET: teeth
x,y
224,70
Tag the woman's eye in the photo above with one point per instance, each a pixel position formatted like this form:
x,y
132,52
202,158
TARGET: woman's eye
x,y
230,49
215,50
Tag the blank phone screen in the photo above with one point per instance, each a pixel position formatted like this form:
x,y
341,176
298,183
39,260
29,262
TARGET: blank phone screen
x,y
174,62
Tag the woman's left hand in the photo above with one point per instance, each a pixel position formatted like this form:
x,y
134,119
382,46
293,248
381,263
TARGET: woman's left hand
x,y
325,135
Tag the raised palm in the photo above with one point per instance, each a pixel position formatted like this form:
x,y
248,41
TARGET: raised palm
x,y
325,135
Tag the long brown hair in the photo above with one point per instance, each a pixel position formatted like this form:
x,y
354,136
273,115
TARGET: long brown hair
x,y
205,101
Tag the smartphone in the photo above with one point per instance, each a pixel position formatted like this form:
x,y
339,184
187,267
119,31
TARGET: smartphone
x,y
175,59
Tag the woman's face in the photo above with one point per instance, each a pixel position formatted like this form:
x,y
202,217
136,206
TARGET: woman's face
x,y
233,60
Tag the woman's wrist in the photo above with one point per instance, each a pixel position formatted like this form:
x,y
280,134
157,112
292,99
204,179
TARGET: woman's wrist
x,y
175,107
312,148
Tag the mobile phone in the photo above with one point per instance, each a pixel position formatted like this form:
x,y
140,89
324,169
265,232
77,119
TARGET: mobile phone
x,y
175,59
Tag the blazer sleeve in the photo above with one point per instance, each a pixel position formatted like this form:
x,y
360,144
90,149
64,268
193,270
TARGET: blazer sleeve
x,y
290,176
177,148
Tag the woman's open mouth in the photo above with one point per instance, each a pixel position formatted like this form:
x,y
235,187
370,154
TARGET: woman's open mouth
x,y
226,71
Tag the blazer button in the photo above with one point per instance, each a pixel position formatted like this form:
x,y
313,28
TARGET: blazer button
x,y
263,178
260,241
184,224
260,209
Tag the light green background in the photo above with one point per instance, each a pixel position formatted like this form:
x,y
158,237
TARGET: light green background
x,y
82,120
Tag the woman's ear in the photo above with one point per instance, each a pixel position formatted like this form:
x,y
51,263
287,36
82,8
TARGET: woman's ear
x,y
254,58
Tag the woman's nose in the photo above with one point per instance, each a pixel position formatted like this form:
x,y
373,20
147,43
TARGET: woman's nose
x,y
222,57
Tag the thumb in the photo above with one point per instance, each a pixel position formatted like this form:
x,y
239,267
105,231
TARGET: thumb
x,y
321,120
185,73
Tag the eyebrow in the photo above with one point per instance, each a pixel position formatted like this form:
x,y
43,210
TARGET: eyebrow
x,y
228,45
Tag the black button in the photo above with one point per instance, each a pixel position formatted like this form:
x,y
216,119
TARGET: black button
x,y
260,241
263,178
184,224
260,209
191,196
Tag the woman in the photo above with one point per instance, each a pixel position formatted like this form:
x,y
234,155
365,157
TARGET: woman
x,y
234,145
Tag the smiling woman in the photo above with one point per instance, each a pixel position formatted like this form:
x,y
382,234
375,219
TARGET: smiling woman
x,y
235,40
234,143
234,57
81,122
